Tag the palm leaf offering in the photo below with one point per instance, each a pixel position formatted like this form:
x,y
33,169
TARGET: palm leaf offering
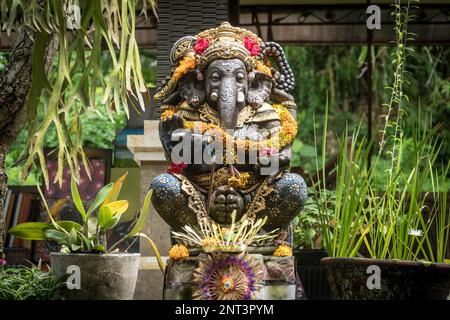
x,y
212,236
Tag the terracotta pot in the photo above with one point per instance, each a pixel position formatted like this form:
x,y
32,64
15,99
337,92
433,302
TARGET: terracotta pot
x,y
101,276
350,279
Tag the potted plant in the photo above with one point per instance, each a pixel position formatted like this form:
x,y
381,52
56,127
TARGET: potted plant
x,y
384,241
382,225
98,271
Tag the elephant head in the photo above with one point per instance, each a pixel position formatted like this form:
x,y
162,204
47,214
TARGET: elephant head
x,y
192,89
259,90
229,68
226,84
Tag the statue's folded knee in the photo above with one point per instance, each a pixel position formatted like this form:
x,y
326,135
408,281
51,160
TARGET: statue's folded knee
x,y
165,190
292,187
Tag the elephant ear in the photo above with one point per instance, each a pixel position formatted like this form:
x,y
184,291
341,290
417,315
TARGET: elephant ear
x,y
181,47
259,89
173,99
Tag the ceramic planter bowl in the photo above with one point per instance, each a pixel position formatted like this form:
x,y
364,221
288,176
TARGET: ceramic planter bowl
x,y
399,280
102,276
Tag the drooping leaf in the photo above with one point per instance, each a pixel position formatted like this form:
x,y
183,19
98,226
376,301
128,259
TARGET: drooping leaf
x,y
155,250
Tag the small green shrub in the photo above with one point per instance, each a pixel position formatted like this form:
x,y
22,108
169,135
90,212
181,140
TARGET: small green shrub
x,y
28,284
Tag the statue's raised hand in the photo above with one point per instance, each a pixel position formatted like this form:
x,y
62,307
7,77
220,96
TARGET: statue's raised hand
x,y
167,128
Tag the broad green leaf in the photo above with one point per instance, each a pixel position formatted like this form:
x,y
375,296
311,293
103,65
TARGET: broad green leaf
x,y
69,225
30,230
76,198
105,217
99,198
73,237
142,216
75,247
56,235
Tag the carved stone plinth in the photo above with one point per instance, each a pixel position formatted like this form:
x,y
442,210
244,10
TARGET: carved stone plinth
x,y
278,282
149,154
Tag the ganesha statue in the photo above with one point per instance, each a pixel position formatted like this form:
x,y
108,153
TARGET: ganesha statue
x,y
227,125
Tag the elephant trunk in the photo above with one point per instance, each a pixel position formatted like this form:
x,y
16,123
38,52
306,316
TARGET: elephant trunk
x,y
229,104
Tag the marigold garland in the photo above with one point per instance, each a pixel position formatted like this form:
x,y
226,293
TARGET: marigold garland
x,y
281,139
261,67
187,64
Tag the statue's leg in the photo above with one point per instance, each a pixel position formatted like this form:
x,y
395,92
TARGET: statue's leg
x,y
285,201
172,202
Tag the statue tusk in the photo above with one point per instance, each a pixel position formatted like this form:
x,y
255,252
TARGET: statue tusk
x,y
241,97
214,96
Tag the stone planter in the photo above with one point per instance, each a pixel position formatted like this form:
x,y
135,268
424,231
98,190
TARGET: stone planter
x,y
102,276
399,280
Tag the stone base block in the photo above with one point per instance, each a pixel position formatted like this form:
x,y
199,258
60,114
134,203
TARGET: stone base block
x,y
279,281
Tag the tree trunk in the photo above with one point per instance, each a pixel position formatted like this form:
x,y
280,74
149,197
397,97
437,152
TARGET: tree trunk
x,y
15,85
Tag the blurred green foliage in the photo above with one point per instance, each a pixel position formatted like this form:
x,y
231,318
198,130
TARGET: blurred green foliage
x,y
341,72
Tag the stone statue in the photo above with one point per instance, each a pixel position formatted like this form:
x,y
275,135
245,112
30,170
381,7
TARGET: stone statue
x,y
228,85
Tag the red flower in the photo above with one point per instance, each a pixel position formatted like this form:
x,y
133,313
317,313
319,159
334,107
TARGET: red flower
x,y
200,45
2,262
252,46
176,167
269,151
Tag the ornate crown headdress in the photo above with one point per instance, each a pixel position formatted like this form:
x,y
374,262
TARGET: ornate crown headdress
x,y
224,42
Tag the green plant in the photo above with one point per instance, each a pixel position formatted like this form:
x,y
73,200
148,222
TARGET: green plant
x,y
69,87
400,226
103,215
440,216
385,215
307,233
345,232
28,284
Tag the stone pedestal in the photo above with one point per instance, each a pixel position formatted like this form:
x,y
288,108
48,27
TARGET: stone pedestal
x,y
279,281
149,155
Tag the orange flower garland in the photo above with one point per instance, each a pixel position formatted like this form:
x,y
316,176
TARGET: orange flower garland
x,y
187,64
281,139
